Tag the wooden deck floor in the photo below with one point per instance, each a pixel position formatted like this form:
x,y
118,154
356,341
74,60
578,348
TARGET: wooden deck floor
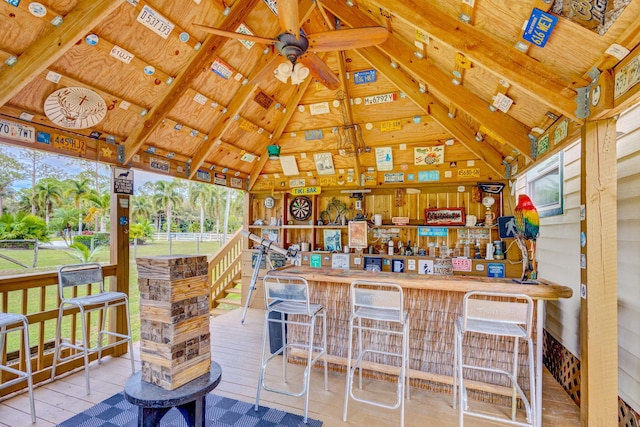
x,y
236,348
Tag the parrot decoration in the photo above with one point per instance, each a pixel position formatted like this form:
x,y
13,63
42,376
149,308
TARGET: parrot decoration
x,y
527,228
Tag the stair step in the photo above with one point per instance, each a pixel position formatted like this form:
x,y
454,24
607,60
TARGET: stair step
x,y
229,301
234,291
219,311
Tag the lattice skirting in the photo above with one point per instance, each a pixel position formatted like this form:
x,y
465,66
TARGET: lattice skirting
x,y
565,368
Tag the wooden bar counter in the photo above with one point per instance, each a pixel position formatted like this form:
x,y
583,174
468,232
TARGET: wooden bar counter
x,y
433,303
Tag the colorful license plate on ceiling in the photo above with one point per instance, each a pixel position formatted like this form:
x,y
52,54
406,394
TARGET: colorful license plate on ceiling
x,y
539,27
380,99
17,131
368,76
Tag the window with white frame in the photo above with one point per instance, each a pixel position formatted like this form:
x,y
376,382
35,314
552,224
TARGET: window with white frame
x,y
545,186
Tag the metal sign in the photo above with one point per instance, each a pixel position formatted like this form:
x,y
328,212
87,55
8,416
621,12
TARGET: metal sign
x,y
122,181
539,27
361,77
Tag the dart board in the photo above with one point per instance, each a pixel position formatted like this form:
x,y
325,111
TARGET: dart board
x,y
300,208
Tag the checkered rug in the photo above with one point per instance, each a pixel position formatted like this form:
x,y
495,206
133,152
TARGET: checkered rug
x,y
221,412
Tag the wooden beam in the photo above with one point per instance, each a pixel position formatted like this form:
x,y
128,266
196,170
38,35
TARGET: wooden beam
x,y
503,127
241,97
119,251
282,123
435,108
185,78
52,45
533,77
599,302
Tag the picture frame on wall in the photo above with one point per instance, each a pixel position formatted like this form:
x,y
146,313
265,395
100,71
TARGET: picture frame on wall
x,y
358,234
332,240
444,216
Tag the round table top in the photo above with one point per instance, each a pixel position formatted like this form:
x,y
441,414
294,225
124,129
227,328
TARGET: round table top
x,y
145,394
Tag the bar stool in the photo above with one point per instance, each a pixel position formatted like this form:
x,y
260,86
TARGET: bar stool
x,y
288,299
69,278
500,315
380,305
10,322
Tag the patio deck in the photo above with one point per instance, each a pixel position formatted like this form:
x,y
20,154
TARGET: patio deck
x,y
236,348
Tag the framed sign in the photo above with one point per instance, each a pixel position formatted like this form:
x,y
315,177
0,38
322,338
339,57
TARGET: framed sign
x,y
357,234
447,216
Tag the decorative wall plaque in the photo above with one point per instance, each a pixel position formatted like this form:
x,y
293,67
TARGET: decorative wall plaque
x,y
75,108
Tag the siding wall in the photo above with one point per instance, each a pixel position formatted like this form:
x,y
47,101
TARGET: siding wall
x,y
559,254
628,150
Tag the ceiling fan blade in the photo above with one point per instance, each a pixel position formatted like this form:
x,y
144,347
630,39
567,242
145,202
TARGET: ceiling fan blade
x,y
320,71
288,16
351,38
234,35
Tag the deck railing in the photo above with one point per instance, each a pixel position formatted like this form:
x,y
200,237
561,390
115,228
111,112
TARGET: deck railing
x,y
225,267
36,296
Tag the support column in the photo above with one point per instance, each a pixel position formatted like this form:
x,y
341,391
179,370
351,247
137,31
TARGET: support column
x,y
599,280
119,245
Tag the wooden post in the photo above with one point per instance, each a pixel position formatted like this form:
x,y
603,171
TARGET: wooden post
x,y
599,280
119,245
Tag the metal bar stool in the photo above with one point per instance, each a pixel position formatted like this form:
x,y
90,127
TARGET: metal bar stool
x,y
380,305
501,315
69,278
288,297
10,322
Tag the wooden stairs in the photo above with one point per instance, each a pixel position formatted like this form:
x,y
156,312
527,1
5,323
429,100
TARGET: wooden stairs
x,y
225,270
229,299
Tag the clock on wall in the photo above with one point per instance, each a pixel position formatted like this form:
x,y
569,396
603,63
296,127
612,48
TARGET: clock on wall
x,y
269,202
300,208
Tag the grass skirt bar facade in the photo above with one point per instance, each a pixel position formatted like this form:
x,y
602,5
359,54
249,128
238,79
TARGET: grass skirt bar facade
x,y
433,302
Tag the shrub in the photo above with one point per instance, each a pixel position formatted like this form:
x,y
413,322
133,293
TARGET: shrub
x,y
99,239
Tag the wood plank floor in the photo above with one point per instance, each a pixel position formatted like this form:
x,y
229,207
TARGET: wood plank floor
x,y
236,348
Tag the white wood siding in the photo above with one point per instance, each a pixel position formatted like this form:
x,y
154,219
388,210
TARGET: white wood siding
x,y
559,254
628,152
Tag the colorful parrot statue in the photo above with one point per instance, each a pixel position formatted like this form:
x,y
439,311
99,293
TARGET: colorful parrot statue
x,y
527,228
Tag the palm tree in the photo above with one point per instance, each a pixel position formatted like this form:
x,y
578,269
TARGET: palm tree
x,y
99,210
198,198
141,207
167,196
79,190
62,218
48,192
83,254
10,171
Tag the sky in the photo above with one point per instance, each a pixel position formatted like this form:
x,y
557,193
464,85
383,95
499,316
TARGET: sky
x,y
72,168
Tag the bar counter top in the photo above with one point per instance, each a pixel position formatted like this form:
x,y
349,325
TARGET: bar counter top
x,y
544,290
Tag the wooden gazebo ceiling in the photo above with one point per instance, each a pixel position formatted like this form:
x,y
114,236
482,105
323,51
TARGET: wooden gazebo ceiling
x,y
187,117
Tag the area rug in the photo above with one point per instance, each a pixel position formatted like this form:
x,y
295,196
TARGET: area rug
x,y
221,412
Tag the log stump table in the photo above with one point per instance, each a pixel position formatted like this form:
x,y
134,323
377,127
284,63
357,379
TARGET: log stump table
x,y
154,402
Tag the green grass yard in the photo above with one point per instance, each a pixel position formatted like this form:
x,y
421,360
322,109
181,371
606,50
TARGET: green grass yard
x,y
51,259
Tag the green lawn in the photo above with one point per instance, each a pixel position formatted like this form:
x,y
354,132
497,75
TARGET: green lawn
x,y
51,259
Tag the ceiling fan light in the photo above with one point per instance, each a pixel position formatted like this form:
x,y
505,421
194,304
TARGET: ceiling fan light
x,y
300,72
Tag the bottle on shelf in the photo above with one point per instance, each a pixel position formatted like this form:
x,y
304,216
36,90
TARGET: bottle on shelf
x,y
432,249
456,249
477,254
390,248
444,250
467,249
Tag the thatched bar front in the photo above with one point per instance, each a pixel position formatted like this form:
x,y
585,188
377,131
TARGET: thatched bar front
x,y
433,303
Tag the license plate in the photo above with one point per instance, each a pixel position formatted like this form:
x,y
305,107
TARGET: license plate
x,y
155,22
17,131
380,99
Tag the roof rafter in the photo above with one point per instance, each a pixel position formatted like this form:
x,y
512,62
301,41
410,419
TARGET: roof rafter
x,y
183,80
86,15
503,127
435,108
530,75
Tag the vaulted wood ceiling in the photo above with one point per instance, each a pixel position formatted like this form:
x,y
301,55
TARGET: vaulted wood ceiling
x,y
445,64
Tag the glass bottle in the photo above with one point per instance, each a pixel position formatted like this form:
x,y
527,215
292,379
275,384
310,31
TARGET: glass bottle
x,y
456,250
432,250
444,250
467,249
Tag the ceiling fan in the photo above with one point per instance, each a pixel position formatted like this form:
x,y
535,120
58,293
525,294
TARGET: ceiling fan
x,y
300,48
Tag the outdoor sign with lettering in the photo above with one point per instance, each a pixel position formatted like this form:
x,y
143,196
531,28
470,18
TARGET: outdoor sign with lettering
x,y
122,181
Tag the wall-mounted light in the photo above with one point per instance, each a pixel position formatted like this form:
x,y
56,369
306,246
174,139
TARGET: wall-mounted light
x,y
394,64
479,137
350,3
418,55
